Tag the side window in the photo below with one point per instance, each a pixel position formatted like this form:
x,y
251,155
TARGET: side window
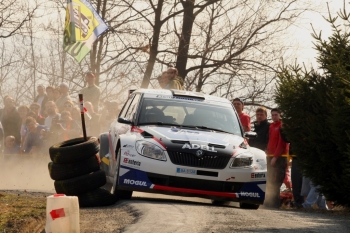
x,y
132,109
126,107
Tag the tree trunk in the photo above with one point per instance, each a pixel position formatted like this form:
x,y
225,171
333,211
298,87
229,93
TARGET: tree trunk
x,y
184,44
97,47
154,46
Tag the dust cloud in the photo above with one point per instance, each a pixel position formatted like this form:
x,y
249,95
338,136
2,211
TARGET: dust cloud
x,y
25,173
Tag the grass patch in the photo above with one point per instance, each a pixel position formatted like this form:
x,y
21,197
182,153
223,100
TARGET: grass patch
x,y
18,210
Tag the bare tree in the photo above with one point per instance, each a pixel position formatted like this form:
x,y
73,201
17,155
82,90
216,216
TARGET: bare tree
x,y
14,14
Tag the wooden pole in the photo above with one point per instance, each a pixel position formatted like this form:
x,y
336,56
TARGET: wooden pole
x,y
81,103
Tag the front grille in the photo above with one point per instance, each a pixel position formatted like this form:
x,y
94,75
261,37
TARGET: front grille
x,y
207,161
189,183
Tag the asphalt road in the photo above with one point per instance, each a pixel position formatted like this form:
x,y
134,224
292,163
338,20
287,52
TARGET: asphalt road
x,y
161,213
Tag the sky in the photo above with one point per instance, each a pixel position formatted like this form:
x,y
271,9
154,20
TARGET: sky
x,y
302,32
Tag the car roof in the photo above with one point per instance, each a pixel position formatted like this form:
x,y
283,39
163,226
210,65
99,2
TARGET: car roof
x,y
157,93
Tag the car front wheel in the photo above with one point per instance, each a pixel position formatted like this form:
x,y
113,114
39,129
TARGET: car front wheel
x,y
120,194
243,205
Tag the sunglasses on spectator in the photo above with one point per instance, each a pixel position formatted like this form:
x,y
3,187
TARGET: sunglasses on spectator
x,y
68,105
173,72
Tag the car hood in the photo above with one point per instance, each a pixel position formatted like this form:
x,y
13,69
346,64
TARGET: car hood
x,y
191,140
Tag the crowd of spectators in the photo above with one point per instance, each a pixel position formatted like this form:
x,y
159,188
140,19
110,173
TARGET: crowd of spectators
x,y
53,116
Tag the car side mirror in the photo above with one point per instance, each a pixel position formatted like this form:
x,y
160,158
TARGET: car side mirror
x,y
250,134
125,121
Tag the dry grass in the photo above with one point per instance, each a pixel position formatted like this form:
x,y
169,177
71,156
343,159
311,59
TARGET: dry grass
x,y
22,212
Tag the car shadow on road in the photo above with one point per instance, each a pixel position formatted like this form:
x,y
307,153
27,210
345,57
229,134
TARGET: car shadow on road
x,y
203,202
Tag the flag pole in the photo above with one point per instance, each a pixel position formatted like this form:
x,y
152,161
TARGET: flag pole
x,y
81,103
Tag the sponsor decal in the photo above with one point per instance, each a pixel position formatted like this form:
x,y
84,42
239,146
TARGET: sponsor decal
x,y
246,194
197,146
188,131
127,153
128,146
135,182
186,171
257,175
132,162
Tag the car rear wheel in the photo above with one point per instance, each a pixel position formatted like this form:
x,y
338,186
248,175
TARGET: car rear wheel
x,y
120,194
243,205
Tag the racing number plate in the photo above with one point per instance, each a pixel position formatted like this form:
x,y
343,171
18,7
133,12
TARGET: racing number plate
x,y
186,171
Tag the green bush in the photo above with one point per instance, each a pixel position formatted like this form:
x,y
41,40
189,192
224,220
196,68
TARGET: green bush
x,y
316,114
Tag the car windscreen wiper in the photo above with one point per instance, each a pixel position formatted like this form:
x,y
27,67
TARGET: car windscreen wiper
x,y
159,123
208,128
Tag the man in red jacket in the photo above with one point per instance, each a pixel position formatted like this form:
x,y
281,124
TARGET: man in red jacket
x,y
276,164
244,118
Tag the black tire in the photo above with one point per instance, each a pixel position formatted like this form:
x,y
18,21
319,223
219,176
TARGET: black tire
x,y
248,206
81,184
70,170
121,194
97,197
219,203
74,150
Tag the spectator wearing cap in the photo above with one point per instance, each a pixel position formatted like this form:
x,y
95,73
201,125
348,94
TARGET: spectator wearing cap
x,y
92,92
175,81
10,119
64,96
41,99
35,107
245,119
50,94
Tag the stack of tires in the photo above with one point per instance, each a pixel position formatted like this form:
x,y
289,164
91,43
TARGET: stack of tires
x,y
75,167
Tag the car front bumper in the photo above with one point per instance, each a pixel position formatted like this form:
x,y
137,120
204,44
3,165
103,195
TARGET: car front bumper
x,y
138,180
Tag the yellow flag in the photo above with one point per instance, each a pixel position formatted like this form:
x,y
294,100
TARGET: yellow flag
x,y
82,27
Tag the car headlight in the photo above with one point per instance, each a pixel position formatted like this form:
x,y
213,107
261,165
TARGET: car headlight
x,y
150,150
242,160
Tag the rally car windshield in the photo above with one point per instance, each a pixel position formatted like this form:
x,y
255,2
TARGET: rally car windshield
x,y
192,114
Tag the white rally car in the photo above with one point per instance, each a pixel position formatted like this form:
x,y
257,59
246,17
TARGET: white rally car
x,y
182,143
